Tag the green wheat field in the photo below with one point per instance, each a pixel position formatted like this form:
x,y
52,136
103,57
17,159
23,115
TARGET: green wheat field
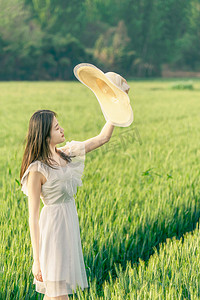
x,y
139,205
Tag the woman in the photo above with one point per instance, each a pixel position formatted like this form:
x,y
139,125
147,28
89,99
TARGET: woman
x,y
53,174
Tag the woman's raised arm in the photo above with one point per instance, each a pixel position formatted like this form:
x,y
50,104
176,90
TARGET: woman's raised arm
x,y
92,143
100,139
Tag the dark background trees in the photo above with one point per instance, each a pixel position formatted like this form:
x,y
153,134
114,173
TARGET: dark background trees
x,y
45,39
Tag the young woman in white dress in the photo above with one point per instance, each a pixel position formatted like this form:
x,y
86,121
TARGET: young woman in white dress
x,y
43,175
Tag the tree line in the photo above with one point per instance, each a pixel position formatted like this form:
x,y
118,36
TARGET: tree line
x,y
45,39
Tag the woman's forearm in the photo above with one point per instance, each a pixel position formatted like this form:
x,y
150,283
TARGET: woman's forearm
x,y
34,232
107,130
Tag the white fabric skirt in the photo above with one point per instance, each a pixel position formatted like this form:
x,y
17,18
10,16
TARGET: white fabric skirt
x,y
60,251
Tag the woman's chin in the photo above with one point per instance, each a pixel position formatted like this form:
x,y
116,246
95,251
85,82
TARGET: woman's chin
x,y
61,140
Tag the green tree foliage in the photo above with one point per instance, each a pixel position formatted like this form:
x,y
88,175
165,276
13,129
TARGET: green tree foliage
x,y
59,17
45,39
187,53
20,38
113,49
60,54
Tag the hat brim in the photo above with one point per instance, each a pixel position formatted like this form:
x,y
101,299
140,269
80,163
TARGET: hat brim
x,y
114,103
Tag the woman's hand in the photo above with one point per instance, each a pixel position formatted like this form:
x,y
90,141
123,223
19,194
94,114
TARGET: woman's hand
x,y
127,86
37,271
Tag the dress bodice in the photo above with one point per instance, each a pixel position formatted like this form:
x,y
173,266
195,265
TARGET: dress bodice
x,y
61,183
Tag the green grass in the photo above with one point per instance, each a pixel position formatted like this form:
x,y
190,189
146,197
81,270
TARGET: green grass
x,y
139,205
183,85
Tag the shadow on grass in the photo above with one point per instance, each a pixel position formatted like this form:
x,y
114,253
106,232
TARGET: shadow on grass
x,y
141,244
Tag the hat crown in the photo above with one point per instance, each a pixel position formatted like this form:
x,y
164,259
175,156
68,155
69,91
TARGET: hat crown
x,y
118,80
111,90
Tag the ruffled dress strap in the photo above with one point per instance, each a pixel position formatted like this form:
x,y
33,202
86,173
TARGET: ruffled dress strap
x,y
76,150
34,166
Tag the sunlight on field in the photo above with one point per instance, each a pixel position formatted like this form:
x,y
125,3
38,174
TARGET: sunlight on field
x,y
140,191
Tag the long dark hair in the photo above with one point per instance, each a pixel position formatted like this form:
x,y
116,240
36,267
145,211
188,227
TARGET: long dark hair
x,y
37,146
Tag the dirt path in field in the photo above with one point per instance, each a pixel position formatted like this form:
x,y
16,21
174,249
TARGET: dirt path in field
x,y
168,73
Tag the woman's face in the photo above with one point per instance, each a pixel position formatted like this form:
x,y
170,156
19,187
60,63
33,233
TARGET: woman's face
x,y
57,133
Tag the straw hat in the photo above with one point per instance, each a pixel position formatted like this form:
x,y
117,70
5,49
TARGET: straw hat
x,y
111,91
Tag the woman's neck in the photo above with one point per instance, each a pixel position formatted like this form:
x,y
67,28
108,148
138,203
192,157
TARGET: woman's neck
x,y
53,150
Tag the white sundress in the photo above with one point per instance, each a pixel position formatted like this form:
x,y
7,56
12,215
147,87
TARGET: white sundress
x,y
60,250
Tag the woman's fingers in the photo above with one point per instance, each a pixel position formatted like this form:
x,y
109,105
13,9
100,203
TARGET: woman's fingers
x,y
37,271
39,276
124,79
